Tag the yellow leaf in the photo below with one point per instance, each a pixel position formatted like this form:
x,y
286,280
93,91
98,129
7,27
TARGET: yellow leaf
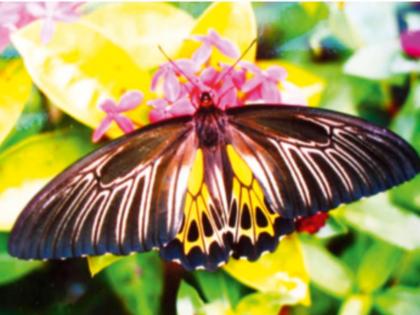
x,y
282,271
26,167
311,8
233,20
309,84
15,88
139,28
98,263
14,199
80,67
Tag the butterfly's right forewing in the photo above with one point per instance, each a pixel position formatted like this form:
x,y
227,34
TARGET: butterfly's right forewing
x,y
124,197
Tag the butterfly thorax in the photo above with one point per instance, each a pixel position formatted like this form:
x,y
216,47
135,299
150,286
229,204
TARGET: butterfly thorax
x,y
210,124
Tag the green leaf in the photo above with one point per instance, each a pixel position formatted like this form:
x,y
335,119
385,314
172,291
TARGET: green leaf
x,y
326,271
333,227
356,305
11,268
26,167
31,121
407,122
219,286
188,301
399,301
377,265
138,281
407,125
263,303
97,263
408,271
378,217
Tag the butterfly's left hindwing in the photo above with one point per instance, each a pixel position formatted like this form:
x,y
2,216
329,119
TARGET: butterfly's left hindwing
x,y
127,196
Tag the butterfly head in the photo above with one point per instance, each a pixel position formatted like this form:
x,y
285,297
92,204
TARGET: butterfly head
x,y
206,100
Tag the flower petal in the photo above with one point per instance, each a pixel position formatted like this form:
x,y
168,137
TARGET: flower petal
x,y
102,128
130,100
124,123
171,87
158,103
226,47
251,84
276,73
108,106
139,29
36,9
202,54
47,31
410,41
270,93
301,79
157,114
209,76
4,38
228,97
234,21
182,107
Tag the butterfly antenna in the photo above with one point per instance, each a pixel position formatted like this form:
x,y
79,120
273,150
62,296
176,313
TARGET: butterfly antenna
x,y
177,68
239,59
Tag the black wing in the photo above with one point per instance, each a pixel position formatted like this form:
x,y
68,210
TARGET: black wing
x,y
125,197
310,160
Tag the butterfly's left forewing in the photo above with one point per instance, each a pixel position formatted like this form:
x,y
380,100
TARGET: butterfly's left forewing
x,y
127,196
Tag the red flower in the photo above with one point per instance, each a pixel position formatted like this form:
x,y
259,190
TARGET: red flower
x,y
410,42
312,224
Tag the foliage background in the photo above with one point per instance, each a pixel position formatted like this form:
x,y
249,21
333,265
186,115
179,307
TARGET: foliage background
x,y
366,260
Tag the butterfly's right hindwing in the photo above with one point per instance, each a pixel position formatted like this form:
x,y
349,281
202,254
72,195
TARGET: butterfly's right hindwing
x,y
127,196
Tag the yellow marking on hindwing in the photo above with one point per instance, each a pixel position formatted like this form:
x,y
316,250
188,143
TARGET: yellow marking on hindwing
x,y
239,166
247,191
196,177
197,203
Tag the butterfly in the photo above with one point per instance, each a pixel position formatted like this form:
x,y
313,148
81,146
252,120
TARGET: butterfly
x,y
215,184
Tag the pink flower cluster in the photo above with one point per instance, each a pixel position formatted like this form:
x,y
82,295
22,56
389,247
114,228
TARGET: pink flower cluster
x,y
181,82
16,15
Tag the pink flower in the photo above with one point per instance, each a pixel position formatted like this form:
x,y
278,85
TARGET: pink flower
x,y
209,41
163,109
264,84
128,101
222,86
410,42
12,17
169,73
51,12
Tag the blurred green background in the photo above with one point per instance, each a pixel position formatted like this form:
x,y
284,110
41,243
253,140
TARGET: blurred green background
x,y
366,260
